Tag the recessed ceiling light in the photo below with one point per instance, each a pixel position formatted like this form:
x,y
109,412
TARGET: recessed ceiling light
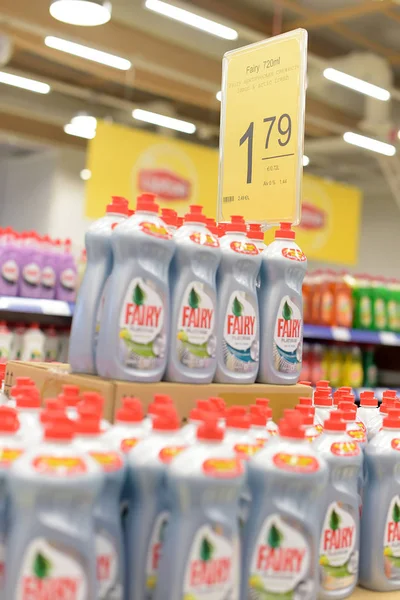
x,y
85,121
87,134
306,161
163,121
23,82
85,174
82,125
369,143
218,96
356,84
87,13
191,19
98,56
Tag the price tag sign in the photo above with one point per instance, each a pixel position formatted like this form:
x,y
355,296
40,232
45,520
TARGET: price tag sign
x,y
262,130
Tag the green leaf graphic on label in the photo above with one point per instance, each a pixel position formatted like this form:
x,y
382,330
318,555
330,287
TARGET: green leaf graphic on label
x,y
138,295
194,299
334,521
396,513
237,308
274,537
287,312
206,550
41,566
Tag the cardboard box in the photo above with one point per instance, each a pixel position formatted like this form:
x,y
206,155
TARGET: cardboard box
x,y
185,395
50,377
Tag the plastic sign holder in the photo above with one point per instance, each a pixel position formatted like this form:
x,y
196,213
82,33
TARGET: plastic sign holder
x,y
262,130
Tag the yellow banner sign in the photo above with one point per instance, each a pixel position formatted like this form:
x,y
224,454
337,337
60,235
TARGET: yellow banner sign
x,y
128,162
262,130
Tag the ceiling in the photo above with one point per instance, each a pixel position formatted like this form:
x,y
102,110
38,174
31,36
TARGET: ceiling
x,y
177,69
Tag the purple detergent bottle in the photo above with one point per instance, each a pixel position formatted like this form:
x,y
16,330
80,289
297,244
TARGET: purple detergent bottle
x,y
9,263
31,266
67,275
49,269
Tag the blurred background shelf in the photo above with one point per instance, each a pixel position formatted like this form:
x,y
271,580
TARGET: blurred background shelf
x,y
29,310
356,336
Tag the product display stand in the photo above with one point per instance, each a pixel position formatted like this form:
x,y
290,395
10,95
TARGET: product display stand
x,y
362,594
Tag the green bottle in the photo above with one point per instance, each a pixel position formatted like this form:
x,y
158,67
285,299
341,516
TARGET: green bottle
x,y
379,304
362,294
370,370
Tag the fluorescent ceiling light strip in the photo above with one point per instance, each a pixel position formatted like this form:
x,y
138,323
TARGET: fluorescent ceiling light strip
x,y
369,143
87,13
83,132
191,19
359,85
23,82
163,121
98,56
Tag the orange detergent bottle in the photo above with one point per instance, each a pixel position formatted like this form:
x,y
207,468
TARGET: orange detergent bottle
x,y
316,284
327,291
343,301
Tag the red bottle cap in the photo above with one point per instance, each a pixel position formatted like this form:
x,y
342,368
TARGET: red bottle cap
x,y
195,214
95,400
221,229
291,426
262,402
237,421
322,399
392,421
131,411
218,404
169,216
305,401
3,367
59,427
302,382
9,422
237,224
24,381
51,406
236,411
257,416
305,410
384,408
146,203
254,232
163,399
202,409
179,221
337,397
322,383
349,411
88,421
335,421
345,389
285,232
389,395
119,206
166,422
209,430
367,398
28,397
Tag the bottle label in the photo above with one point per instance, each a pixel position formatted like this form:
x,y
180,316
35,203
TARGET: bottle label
x,y
295,463
392,314
212,565
240,343
357,434
109,461
59,466
99,314
345,310
128,443
287,347
10,271
345,449
32,351
167,454
294,254
196,340
68,279
246,451
391,540
338,554
223,468
31,274
49,571
281,562
142,326
244,248
154,552
9,455
365,311
48,277
158,231
107,568
380,313
205,239
396,444
326,307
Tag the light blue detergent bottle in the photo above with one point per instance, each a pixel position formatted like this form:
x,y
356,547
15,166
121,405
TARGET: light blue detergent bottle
x,y
340,534
148,513
281,537
193,345
380,521
107,522
203,485
134,327
51,546
238,336
283,269
88,308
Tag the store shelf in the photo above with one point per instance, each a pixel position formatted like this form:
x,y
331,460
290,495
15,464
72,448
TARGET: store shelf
x,y
31,309
342,334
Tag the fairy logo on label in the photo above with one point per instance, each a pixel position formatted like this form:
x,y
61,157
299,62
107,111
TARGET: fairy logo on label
x,y
142,325
109,461
296,463
357,434
164,183
287,347
9,455
223,468
345,449
205,239
246,451
281,560
155,230
106,565
294,254
391,539
10,271
68,279
49,572
209,573
167,454
338,554
154,551
197,342
241,333
244,248
396,444
128,443
59,466
48,277
312,217
31,274
361,426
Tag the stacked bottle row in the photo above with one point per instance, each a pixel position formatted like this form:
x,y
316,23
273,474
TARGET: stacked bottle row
x,y
359,301
228,506
182,304
33,344
34,266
